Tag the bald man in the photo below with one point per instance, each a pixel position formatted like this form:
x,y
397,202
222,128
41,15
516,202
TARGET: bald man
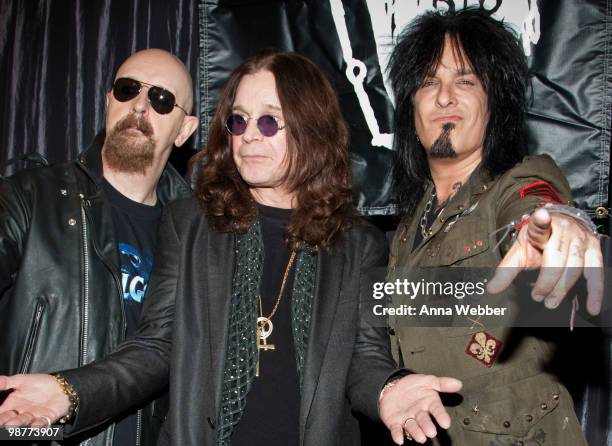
x,y
77,239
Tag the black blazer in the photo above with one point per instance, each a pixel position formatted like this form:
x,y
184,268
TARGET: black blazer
x,y
183,330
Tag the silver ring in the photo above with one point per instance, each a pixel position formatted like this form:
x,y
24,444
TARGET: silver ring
x,y
47,419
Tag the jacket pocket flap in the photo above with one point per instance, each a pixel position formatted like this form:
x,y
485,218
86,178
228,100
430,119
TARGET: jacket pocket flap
x,y
467,237
513,409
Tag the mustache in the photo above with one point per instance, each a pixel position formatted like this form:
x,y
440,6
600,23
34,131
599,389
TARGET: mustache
x,y
136,122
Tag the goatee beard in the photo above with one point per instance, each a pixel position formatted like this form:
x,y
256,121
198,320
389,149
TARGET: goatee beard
x,y
443,146
125,153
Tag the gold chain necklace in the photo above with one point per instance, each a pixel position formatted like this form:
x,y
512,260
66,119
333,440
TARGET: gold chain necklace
x,y
264,324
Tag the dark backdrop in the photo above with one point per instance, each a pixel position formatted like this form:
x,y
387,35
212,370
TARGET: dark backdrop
x,y
58,58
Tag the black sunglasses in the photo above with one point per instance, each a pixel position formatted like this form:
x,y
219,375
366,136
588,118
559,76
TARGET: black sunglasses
x,y
162,101
267,124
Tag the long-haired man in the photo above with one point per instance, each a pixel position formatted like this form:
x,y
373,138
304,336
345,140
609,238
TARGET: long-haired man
x,y
460,82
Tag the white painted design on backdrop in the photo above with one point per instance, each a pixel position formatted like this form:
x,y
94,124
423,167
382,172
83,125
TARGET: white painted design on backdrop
x,y
389,17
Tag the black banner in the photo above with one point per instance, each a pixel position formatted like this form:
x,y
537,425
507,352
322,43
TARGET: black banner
x,y
568,44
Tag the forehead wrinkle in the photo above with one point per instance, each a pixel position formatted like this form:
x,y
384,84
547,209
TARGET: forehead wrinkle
x,y
239,107
461,64
150,84
460,71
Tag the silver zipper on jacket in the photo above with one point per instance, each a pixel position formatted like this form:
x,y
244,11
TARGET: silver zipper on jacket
x,y
138,426
85,320
32,337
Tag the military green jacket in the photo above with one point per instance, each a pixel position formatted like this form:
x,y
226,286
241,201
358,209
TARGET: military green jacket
x,y
509,396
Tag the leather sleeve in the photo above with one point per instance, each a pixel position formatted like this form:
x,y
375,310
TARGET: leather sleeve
x,y
372,364
140,366
14,221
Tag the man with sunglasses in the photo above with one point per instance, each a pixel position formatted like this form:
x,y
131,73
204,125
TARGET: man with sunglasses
x,y
77,239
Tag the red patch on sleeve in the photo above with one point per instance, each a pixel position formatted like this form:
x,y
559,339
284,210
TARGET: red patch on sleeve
x,y
543,190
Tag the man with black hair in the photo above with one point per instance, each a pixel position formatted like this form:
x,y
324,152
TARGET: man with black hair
x,y
460,80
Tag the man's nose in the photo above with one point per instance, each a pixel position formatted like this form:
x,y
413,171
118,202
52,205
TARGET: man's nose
x,y
252,133
445,95
141,104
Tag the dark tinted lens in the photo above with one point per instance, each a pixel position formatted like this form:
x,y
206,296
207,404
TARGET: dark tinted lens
x,y
162,100
125,89
267,125
236,125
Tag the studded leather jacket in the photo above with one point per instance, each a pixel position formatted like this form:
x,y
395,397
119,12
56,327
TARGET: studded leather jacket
x,y
61,302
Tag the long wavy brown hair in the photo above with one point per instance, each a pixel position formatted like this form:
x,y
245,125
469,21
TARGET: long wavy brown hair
x,y
318,169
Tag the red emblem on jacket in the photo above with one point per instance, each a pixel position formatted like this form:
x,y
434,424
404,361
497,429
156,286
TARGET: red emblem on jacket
x,y
484,348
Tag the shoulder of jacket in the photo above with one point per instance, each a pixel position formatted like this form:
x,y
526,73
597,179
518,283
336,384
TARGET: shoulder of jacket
x,y
534,165
365,236
45,178
185,209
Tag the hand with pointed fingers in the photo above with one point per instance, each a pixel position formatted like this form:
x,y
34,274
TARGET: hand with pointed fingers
x,y
407,407
564,250
35,400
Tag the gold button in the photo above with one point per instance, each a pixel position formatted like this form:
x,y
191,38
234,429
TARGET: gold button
x,y
555,396
506,424
72,222
601,212
543,406
529,418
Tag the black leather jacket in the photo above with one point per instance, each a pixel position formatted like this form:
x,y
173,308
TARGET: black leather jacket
x,y
61,302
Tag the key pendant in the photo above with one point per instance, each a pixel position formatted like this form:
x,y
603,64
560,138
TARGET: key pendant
x,y
264,330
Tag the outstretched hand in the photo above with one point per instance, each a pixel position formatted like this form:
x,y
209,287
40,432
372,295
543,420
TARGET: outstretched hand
x,y
36,400
563,250
407,406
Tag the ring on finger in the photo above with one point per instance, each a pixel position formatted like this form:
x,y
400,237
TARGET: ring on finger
x,y
47,419
408,436
407,420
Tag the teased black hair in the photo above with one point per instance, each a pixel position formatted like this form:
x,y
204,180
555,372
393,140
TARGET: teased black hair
x,y
494,53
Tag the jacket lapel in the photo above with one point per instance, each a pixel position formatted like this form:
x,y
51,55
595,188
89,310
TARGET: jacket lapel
x,y
326,295
220,272
100,226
